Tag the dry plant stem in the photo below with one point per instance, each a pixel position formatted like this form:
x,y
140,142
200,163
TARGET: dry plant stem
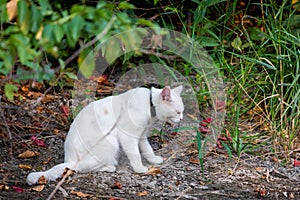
x,y
69,172
8,131
58,186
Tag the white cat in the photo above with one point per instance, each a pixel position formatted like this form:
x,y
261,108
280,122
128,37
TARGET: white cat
x,y
98,131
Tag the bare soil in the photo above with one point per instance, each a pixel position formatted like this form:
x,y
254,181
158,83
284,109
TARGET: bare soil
x,y
179,177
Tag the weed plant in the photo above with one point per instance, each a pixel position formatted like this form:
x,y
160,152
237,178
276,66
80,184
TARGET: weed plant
x,y
256,45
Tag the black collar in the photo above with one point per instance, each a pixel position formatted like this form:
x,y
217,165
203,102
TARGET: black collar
x,y
152,107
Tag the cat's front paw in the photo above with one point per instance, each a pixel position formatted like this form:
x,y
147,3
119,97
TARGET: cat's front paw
x,y
140,169
156,159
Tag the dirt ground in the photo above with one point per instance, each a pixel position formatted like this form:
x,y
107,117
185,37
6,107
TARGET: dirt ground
x,y
179,177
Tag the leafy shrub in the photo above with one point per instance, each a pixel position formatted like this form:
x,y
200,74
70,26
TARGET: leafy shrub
x,y
38,36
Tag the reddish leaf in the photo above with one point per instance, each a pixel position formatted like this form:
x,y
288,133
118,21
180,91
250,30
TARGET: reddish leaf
x,y
174,133
219,145
117,185
204,130
65,110
38,142
296,163
17,189
207,120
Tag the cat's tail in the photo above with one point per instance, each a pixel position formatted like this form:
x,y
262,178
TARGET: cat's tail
x,y
50,175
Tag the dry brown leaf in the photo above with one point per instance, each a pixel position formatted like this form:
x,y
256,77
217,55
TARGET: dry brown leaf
x,y
3,187
12,10
259,168
154,170
144,193
28,154
46,162
68,172
39,109
42,180
38,188
22,166
195,161
55,131
81,194
48,98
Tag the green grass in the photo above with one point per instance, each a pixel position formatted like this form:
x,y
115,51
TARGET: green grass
x,y
258,53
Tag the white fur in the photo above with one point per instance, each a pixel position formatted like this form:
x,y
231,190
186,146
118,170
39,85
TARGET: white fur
x,y
98,131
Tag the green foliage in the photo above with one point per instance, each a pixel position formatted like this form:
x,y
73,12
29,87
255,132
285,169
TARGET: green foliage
x,y
262,60
43,34
9,90
257,49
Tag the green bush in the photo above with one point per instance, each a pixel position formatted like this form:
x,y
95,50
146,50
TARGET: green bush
x,y
40,40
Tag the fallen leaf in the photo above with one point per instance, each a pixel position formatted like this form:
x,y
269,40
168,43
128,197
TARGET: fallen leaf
x,y
154,171
259,168
194,161
28,154
68,172
262,192
296,163
204,130
56,131
3,187
81,194
117,185
38,142
17,189
22,166
39,109
144,193
24,88
274,159
174,133
48,98
207,120
46,162
65,110
38,188
102,80
219,145
42,180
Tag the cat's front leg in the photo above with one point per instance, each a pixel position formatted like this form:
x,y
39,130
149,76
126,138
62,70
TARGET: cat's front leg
x,y
131,149
148,153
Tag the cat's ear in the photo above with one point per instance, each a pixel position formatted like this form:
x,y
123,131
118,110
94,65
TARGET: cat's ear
x,y
166,93
178,90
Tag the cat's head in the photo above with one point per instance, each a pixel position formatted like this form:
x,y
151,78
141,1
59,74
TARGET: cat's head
x,y
168,103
